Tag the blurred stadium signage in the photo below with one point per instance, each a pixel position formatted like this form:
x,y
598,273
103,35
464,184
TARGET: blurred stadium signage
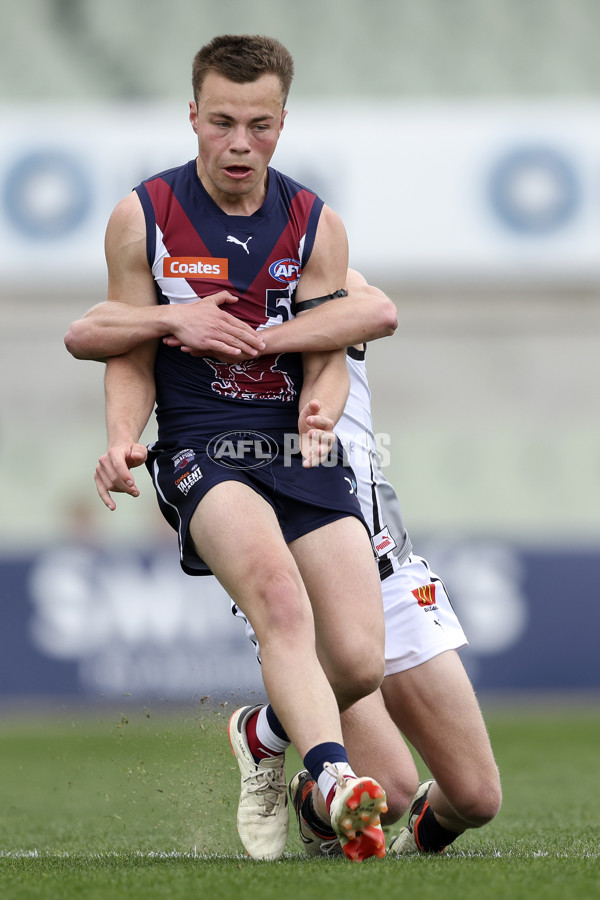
x,y
535,190
83,620
47,195
427,191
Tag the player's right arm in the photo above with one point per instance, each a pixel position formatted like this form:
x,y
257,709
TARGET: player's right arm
x,y
129,381
129,398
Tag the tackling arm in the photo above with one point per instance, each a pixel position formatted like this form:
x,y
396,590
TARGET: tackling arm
x,y
131,315
112,328
366,314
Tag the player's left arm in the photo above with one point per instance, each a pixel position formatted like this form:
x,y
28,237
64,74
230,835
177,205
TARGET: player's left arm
x,y
326,380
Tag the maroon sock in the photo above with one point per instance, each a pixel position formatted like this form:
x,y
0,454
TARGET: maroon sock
x,y
257,750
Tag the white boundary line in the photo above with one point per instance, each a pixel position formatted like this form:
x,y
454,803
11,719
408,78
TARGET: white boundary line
x,y
193,854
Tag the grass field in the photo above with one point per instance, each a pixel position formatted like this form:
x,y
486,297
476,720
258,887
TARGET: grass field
x,y
142,804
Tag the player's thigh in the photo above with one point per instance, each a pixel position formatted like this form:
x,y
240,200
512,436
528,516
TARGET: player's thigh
x,y
236,532
339,572
435,707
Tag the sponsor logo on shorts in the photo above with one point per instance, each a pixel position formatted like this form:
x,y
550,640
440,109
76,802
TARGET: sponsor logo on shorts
x,y
247,449
383,542
183,459
187,471
196,267
352,486
285,270
425,595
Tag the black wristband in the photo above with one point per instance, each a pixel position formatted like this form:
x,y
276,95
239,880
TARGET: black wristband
x,y
316,301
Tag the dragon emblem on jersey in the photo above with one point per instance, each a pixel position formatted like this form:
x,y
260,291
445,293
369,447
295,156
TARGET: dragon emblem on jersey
x,y
254,379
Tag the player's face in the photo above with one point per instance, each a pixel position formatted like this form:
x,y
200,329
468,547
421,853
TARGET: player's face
x,y
238,126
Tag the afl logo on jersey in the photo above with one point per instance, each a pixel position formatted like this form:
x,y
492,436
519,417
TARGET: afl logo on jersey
x,y
285,270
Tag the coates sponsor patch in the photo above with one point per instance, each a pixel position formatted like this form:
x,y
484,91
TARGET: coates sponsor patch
x,y
383,542
196,267
425,594
285,270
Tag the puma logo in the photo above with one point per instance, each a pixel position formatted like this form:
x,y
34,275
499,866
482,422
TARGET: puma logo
x,y
243,244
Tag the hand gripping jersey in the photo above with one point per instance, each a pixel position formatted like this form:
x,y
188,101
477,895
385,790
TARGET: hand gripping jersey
x,y
195,249
378,500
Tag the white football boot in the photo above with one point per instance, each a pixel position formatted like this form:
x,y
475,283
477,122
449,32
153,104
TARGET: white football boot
x,y
262,815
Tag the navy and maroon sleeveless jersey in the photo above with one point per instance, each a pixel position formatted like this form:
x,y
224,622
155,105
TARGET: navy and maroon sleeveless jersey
x,y
194,250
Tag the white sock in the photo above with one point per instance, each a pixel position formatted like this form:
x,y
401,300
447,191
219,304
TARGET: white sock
x,y
328,782
266,737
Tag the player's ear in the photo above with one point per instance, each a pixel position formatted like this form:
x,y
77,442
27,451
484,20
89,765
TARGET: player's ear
x,y
194,115
283,115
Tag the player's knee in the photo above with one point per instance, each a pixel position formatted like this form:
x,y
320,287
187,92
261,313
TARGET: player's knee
x,y
279,609
357,681
482,804
371,675
399,793
491,802
367,682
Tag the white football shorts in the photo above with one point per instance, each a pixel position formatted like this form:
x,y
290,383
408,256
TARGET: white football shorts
x,y
420,621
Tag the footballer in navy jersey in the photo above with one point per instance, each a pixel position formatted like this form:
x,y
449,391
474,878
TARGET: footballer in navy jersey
x,y
281,531
194,250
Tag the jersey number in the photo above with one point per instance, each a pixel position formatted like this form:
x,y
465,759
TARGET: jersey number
x,y
279,304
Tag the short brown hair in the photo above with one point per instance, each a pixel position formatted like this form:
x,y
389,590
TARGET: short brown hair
x,y
243,58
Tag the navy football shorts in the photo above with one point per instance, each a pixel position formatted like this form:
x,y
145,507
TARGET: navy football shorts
x,y
303,499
